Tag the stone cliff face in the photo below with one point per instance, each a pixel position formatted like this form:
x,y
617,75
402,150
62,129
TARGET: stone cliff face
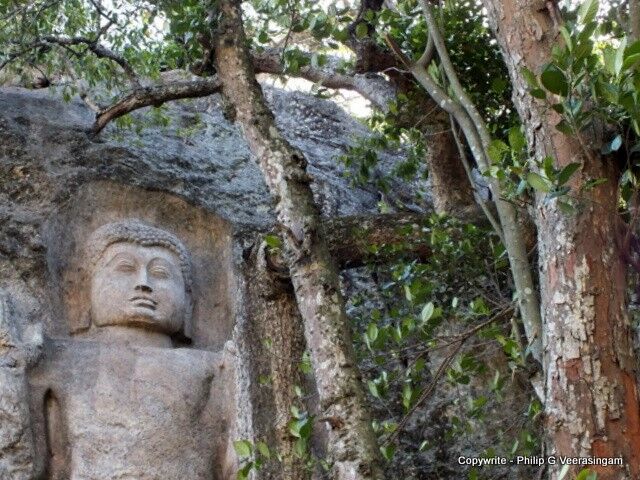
x,y
194,177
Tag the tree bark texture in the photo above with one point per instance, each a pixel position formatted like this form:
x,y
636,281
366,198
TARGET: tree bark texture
x,y
451,190
353,452
277,348
155,96
592,404
634,20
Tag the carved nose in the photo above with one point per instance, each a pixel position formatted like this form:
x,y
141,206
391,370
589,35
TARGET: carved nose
x,y
142,281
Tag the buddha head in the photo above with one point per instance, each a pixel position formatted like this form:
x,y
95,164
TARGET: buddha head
x,y
140,278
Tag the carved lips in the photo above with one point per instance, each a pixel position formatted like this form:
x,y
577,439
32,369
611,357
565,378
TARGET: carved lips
x,y
144,302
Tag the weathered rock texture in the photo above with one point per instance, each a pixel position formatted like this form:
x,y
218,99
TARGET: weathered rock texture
x,y
57,184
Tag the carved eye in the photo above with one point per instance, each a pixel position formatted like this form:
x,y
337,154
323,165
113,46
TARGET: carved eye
x,y
125,266
160,272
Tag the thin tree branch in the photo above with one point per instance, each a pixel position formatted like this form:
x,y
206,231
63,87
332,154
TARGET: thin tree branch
x,y
445,60
478,139
458,340
467,168
97,49
427,392
371,86
155,96
102,13
427,55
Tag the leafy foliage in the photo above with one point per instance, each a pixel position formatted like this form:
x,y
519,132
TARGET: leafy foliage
x,y
442,327
412,321
592,81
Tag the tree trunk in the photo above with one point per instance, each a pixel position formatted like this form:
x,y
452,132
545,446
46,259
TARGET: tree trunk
x,y
592,404
634,20
352,448
451,189
277,344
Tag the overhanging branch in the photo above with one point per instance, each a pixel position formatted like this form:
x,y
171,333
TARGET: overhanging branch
x,y
372,86
95,47
155,96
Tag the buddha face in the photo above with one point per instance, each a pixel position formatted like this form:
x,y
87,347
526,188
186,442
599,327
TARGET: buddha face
x,y
137,286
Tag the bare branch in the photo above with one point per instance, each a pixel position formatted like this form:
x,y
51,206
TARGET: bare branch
x,y
102,13
427,55
467,167
155,96
457,343
373,87
99,50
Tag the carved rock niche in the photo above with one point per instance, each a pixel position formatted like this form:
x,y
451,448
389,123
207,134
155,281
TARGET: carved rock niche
x,y
207,237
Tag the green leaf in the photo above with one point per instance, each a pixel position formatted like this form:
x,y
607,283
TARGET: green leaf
x,y
566,207
273,241
630,61
387,452
632,49
516,139
538,93
530,78
242,448
427,312
591,184
243,473
547,166
567,37
563,472
564,127
407,394
587,32
619,59
609,57
587,13
373,388
362,30
372,332
554,80
264,450
300,448
586,474
496,150
407,293
538,182
294,428
565,174
305,364
306,427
